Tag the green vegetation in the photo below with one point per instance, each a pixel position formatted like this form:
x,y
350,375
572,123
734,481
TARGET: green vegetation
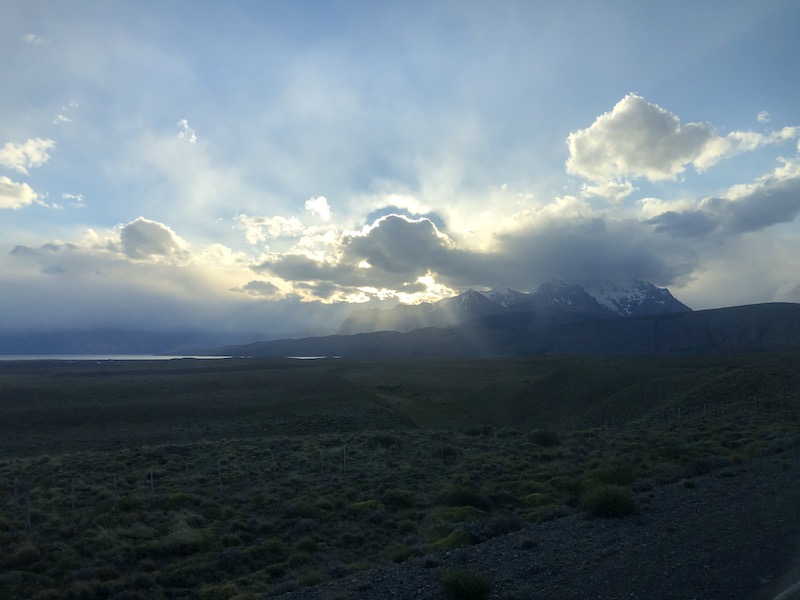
x,y
606,500
252,478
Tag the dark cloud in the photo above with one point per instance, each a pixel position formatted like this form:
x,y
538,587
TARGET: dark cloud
x,y
770,204
397,244
143,238
401,250
261,289
684,224
23,251
773,200
298,267
397,249
590,248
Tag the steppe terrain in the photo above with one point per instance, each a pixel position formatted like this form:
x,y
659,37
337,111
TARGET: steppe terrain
x,y
258,477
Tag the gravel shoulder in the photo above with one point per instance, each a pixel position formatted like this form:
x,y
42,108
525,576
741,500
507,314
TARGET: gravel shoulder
x,y
734,534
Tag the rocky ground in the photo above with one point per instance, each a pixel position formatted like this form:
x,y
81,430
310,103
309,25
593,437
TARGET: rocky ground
x,y
734,533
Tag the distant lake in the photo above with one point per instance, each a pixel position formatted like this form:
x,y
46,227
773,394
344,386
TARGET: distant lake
x,y
103,357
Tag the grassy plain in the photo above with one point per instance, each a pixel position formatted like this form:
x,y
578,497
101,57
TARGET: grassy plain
x,y
244,478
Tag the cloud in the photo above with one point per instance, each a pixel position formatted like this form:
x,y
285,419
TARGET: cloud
x,y
93,282
763,117
33,39
774,198
394,257
685,224
15,195
319,206
260,289
613,190
666,242
20,157
385,257
259,229
138,275
62,116
638,139
75,200
398,244
145,239
589,246
186,132
788,293
412,260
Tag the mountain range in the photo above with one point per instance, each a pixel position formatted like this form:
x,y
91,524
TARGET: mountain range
x,y
558,317
612,318
556,301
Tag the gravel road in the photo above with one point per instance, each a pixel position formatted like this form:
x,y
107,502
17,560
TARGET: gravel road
x,y
732,534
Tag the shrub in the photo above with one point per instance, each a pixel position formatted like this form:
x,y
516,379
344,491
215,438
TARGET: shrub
x,y
545,437
407,526
500,524
306,544
313,578
461,495
387,440
446,452
537,499
400,553
458,537
181,500
395,498
462,514
464,584
270,551
565,483
606,500
222,591
619,474
25,557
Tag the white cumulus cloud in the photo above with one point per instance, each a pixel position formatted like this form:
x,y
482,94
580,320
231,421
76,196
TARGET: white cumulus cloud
x,y
15,195
319,206
638,139
32,152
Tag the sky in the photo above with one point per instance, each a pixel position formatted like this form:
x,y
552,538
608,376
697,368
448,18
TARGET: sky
x,y
271,165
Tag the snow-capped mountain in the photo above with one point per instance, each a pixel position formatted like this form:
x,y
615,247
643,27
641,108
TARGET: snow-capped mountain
x,y
467,305
555,301
569,300
506,296
634,298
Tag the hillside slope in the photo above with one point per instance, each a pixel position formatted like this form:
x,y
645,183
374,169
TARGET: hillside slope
x,y
773,327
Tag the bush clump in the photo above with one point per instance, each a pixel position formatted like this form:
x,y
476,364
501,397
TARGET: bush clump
x,y
397,498
545,437
464,584
607,500
616,474
457,538
462,495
